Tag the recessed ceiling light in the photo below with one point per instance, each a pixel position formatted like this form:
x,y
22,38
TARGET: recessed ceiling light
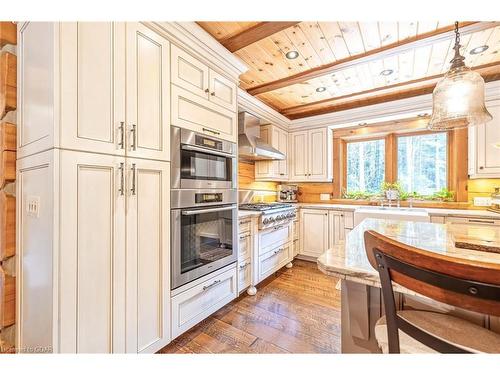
x,y
292,55
479,49
321,89
362,124
423,114
386,72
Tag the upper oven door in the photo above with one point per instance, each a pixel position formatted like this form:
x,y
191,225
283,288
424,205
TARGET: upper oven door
x,y
201,162
202,168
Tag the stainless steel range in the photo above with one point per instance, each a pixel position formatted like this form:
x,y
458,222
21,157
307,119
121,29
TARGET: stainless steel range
x,y
273,214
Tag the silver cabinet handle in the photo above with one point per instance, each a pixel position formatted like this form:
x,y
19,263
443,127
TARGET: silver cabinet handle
x,y
133,179
122,135
210,131
121,190
278,251
244,265
134,136
481,221
211,285
207,210
243,237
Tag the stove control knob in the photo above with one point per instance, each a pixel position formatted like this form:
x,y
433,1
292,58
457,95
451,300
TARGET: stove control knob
x,y
265,221
279,217
272,219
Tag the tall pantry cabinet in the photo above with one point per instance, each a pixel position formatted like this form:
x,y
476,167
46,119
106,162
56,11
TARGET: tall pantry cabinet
x,y
93,187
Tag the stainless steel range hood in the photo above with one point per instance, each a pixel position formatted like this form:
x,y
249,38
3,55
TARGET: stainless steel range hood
x,y
250,146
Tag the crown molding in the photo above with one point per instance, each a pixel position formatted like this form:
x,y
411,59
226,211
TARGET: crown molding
x,y
193,39
249,103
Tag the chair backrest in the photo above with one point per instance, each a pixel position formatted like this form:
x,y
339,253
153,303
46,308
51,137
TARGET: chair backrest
x,y
468,284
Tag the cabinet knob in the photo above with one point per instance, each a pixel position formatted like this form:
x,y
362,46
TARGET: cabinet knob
x,y
481,167
212,93
207,91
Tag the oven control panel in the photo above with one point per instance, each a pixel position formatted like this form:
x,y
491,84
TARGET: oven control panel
x,y
208,197
208,142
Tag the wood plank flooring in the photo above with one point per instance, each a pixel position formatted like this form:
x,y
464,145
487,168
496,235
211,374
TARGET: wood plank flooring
x,y
295,311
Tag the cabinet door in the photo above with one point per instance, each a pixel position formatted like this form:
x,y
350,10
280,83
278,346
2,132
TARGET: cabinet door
x,y
318,155
299,156
222,91
283,147
192,112
314,232
336,228
488,145
92,76
189,73
92,254
148,255
148,93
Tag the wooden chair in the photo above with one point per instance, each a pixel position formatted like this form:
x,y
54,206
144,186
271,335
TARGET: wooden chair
x,y
467,284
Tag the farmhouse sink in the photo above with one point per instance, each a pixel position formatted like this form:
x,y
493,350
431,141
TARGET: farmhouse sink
x,y
392,213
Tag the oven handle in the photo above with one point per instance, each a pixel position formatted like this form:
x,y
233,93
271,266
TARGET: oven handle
x,y
207,210
207,151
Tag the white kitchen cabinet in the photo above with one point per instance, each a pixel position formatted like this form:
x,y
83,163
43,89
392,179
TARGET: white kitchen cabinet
x,y
273,170
314,232
148,93
147,254
92,74
202,116
245,245
484,146
104,88
222,91
92,254
336,232
191,306
202,99
311,155
189,73
472,221
274,259
244,274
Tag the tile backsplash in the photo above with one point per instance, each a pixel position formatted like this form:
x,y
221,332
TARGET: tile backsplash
x,y
482,187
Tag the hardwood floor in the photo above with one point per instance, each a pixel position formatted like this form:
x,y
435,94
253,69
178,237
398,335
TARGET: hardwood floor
x,y
295,311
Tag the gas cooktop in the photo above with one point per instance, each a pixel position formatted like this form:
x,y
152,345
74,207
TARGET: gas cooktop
x,y
264,206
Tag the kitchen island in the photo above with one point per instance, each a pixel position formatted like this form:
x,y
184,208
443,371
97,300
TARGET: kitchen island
x,y
360,283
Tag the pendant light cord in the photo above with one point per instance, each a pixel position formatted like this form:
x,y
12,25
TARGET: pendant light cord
x,y
458,60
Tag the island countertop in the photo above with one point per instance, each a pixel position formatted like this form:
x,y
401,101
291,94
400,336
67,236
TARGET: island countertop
x,y
349,261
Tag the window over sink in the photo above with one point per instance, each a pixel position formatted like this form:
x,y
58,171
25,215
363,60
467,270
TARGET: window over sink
x,y
365,165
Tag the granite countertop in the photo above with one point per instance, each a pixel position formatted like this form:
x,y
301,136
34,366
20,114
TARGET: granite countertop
x,y
431,211
349,261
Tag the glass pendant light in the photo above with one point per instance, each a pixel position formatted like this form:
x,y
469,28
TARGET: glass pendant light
x,y
458,99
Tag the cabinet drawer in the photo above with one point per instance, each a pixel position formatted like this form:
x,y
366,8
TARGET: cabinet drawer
x,y
245,248
245,226
192,112
273,260
268,239
244,274
470,220
195,304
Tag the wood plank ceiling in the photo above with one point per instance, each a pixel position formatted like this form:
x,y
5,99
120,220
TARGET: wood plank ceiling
x,y
341,65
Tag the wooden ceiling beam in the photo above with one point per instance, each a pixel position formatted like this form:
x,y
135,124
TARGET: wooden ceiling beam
x,y
396,48
490,72
255,33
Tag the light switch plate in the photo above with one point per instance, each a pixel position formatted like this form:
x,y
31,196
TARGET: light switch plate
x,y
33,206
324,197
482,201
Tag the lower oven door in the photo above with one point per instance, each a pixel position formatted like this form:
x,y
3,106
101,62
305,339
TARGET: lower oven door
x,y
203,240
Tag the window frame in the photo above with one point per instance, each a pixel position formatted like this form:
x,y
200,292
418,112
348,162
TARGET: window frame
x,y
457,154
